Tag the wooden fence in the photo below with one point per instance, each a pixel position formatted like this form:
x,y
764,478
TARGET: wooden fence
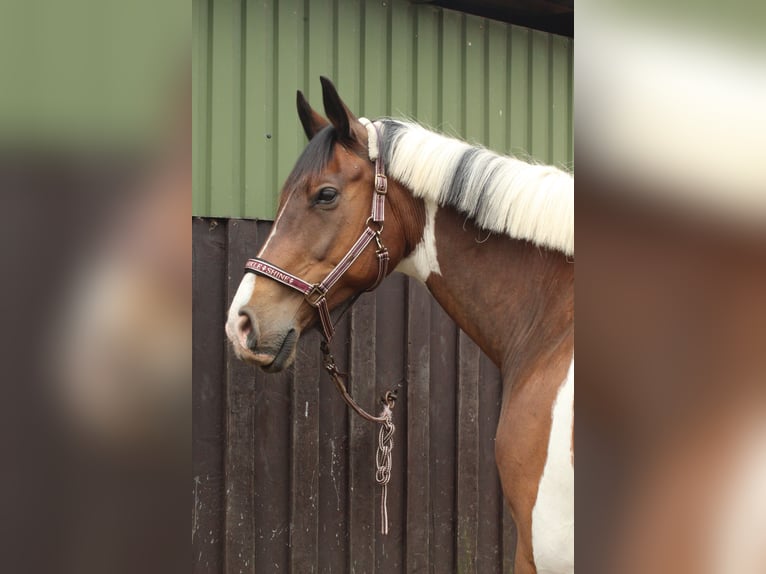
x,y
283,475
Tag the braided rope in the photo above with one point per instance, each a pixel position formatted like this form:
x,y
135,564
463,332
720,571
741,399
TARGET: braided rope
x,y
384,463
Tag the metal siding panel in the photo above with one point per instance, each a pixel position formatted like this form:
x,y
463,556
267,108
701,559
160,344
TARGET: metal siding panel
x,y
539,96
348,77
320,50
261,187
200,106
375,58
387,58
495,71
401,63
560,108
474,80
452,92
225,104
426,65
519,119
289,135
570,122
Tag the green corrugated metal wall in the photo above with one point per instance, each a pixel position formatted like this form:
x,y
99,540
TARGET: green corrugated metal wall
x,y
504,86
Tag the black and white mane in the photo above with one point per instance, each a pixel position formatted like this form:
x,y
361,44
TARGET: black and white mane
x,y
501,194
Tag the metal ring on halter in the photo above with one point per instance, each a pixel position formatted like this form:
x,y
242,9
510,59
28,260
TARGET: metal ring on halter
x,y
378,223
315,296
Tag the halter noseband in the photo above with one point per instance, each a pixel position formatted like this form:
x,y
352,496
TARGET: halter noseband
x,y
316,293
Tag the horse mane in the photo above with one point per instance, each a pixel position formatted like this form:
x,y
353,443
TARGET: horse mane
x,y
501,194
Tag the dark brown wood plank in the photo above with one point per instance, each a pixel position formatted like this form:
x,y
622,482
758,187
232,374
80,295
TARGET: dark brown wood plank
x,y
209,300
509,540
443,439
272,472
362,439
418,427
467,500
489,552
390,373
271,451
305,456
240,398
334,458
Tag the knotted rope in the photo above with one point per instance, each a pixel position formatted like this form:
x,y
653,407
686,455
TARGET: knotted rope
x,y
383,462
385,436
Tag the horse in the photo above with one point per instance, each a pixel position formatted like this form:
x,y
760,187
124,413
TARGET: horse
x,y
491,237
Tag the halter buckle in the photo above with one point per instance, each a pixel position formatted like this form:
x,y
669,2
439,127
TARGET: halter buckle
x,y
381,183
316,295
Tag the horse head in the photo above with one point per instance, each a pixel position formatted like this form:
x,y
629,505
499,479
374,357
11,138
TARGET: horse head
x,y
324,207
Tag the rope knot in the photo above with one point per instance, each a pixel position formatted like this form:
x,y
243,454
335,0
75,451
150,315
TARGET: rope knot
x,y
383,462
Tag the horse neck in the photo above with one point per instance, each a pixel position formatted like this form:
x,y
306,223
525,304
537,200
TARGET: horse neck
x,y
514,299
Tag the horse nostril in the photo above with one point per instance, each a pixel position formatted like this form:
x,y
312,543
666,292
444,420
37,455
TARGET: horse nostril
x,y
246,327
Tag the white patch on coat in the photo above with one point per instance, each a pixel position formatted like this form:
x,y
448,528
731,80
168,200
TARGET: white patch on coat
x,y
553,514
423,260
738,541
241,298
276,224
245,290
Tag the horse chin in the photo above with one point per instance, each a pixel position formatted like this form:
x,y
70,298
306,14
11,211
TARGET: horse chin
x,y
279,364
280,356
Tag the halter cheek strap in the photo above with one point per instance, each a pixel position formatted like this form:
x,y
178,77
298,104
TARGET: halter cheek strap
x,y
316,293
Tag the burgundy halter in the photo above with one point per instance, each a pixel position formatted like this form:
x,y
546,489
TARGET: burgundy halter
x,y
316,293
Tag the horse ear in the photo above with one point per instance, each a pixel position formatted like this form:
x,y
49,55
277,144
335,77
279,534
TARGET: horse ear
x,y
340,116
312,122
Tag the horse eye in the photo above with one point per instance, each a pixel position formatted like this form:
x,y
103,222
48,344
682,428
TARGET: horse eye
x,y
326,195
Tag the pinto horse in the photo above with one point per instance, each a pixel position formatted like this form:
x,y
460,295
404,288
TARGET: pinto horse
x,y
492,238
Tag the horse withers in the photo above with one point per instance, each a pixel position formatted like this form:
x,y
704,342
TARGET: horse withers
x,y
492,238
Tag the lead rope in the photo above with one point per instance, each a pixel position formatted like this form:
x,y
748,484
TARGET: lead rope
x,y
383,461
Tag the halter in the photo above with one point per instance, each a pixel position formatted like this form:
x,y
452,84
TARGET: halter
x,y
316,293
316,296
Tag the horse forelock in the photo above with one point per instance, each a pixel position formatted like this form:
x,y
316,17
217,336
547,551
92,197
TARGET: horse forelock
x,y
501,194
315,156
